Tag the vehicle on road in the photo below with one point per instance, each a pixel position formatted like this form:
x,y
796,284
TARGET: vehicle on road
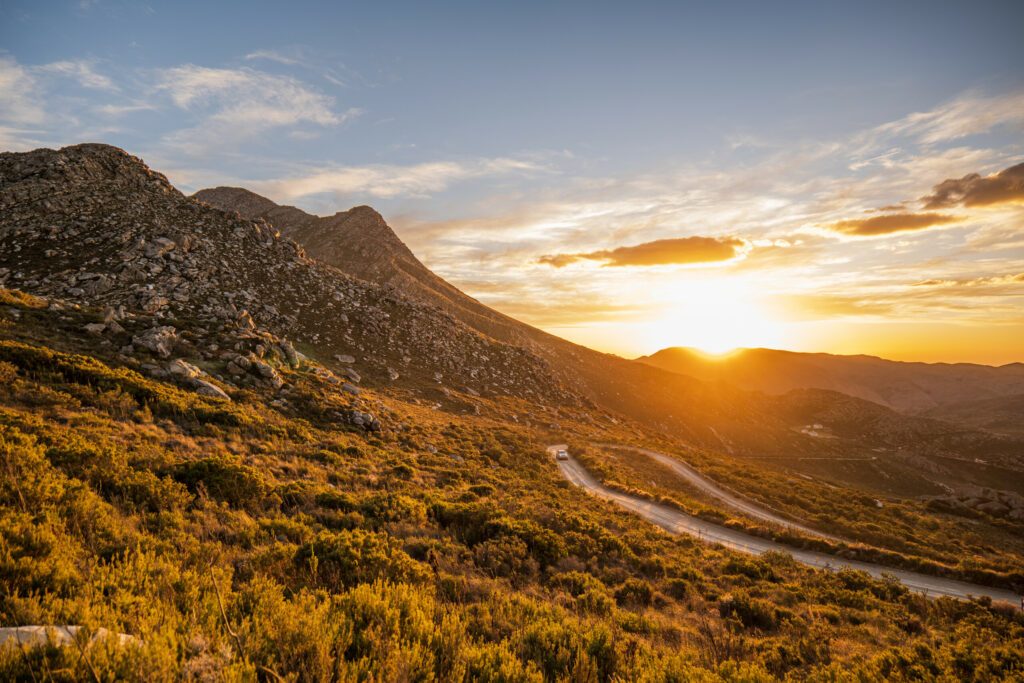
x,y
562,455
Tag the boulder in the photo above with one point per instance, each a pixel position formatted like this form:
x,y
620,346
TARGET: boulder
x,y
289,352
209,389
159,246
184,369
159,340
35,635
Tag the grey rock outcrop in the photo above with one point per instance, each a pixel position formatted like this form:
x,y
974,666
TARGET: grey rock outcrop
x,y
93,225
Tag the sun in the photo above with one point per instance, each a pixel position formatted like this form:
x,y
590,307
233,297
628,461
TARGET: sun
x,y
715,317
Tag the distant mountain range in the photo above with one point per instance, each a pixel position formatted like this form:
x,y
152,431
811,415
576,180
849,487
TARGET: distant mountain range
x,y
978,395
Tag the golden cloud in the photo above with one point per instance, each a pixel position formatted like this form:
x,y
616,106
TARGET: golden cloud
x,y
990,281
973,189
677,251
891,223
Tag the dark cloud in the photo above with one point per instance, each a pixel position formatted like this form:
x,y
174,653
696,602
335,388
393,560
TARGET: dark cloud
x,y
679,251
976,190
890,223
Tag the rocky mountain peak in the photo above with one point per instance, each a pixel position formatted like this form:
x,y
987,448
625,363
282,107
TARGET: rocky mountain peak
x,y
235,199
73,167
91,225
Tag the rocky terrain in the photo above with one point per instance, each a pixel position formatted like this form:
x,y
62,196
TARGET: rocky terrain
x,y
361,243
93,225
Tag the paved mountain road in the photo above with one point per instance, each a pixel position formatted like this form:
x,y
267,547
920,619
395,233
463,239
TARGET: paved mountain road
x,y
674,521
715,491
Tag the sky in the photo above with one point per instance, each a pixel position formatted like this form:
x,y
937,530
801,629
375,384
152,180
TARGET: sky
x,y
814,176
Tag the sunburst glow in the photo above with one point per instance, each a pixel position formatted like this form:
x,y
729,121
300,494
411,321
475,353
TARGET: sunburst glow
x,y
716,317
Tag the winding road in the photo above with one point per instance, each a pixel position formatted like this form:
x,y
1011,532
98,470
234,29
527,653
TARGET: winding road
x,y
674,521
715,491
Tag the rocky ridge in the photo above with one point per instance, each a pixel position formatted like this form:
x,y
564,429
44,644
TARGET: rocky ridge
x,y
92,225
361,243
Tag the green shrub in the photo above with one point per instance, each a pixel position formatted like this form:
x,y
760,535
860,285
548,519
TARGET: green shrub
x,y
346,558
751,612
634,592
223,479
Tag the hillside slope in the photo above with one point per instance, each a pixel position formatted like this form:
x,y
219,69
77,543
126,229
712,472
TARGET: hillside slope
x,y
91,224
362,244
245,539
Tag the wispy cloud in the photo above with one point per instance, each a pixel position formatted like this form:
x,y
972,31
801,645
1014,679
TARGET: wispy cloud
x,y
237,104
969,114
986,282
20,99
115,110
273,56
383,180
247,96
82,71
327,68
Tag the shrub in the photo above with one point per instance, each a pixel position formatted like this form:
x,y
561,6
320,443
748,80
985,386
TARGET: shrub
x,y
506,557
634,592
340,559
751,612
224,480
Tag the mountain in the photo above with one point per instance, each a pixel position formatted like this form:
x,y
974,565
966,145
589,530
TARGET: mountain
x,y
92,224
1004,414
361,243
913,388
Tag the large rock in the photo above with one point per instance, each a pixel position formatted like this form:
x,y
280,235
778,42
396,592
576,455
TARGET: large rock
x,y
35,635
159,340
184,369
209,389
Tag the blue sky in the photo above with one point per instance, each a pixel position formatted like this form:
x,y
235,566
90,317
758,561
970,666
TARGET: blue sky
x,y
493,135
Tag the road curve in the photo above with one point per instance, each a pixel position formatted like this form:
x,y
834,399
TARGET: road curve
x,y
715,491
674,521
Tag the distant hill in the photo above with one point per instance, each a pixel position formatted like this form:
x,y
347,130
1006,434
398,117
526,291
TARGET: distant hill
x,y
1004,414
912,388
